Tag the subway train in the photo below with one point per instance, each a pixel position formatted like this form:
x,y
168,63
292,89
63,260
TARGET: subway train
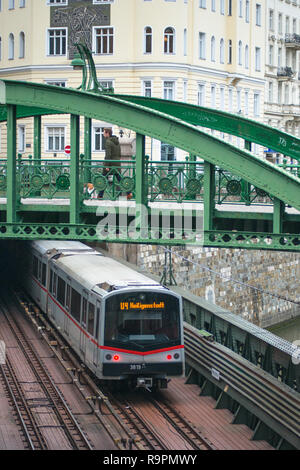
x,y
123,325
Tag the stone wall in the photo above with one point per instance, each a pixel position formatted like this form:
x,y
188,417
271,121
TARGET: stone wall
x,y
273,272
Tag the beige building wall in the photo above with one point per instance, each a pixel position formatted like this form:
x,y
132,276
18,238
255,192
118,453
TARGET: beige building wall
x,y
197,75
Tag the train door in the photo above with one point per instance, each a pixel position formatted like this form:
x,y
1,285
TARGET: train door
x,y
83,324
68,307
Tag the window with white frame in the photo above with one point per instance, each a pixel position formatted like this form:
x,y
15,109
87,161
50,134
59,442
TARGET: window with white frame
x,y
271,54
202,45
185,42
229,51
279,56
222,51
185,87
246,104
147,88
246,56
270,94
169,41
148,40
256,104
169,90
57,41
280,23
222,98
104,40
21,138
213,96
11,46
55,138
201,94
257,59
98,139
222,7
238,101
21,45
229,7
213,49
240,8
213,5
271,20
287,25
240,53
22,4
11,4
258,14
202,3
247,11
106,84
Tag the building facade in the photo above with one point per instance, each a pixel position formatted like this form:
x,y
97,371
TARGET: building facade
x,y
205,52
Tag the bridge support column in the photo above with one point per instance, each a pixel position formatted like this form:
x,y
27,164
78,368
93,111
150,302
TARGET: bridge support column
x,y
37,127
87,149
209,195
246,187
141,186
11,191
74,171
278,215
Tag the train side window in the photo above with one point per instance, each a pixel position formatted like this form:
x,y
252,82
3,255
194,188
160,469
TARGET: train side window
x,y
54,284
44,274
68,297
61,290
35,266
91,318
97,323
84,309
40,270
51,282
75,304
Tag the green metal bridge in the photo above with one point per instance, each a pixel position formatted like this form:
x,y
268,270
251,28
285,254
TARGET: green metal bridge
x,y
243,201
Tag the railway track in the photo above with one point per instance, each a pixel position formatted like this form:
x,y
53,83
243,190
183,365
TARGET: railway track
x,y
49,399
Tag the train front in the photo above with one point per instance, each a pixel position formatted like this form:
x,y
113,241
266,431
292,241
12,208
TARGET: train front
x,y
143,337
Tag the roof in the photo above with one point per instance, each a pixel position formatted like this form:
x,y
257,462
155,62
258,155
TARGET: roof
x,y
92,270
43,246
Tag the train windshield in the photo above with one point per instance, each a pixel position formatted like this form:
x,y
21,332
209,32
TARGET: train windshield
x,y
141,321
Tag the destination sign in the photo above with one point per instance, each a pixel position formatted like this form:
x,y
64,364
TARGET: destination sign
x,y
141,306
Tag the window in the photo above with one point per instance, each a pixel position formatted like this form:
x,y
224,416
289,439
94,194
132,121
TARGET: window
x,y
104,40
185,89
280,23
222,98
61,83
148,40
257,59
91,318
61,289
169,90
230,51
287,25
169,39
55,139
75,304
35,266
21,45
57,2
0,48
240,52
229,7
258,14
44,271
230,100
246,102
201,45
202,3
271,20
256,104
238,101
213,96
201,94
21,139
270,92
11,46
57,41
147,88
271,54
98,139
11,4
22,3
106,84
279,56
185,42
213,49
247,11
213,5
222,51
222,7
246,56
240,8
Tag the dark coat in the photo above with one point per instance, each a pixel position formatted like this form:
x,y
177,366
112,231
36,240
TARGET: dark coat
x,y
112,151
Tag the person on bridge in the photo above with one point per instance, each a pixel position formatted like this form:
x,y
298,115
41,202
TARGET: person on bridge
x,y
112,157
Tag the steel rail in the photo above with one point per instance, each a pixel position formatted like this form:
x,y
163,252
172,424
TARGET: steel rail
x,y
272,397
30,429
62,410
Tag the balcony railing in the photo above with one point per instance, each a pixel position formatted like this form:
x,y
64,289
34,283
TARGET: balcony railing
x,y
292,40
285,72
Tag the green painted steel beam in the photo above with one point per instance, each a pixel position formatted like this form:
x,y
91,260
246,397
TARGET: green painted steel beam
x,y
11,192
163,127
235,124
74,171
